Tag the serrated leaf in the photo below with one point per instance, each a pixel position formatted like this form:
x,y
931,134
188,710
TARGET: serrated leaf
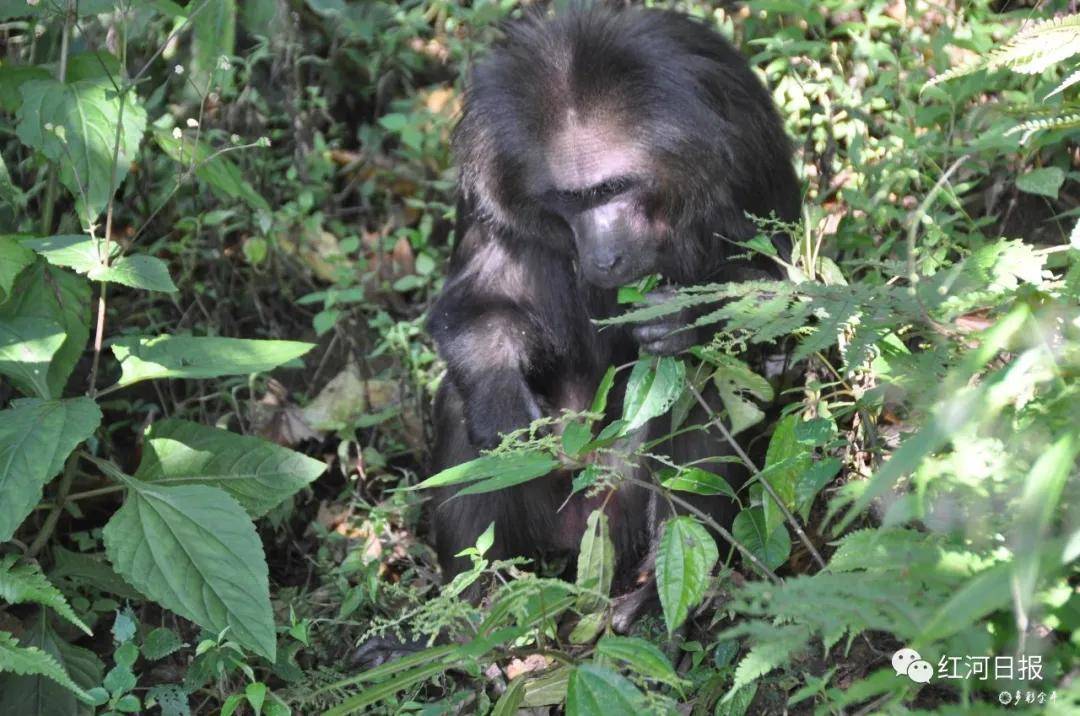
x,y
699,482
30,660
45,293
809,483
14,257
684,560
596,691
88,112
159,643
785,459
146,358
218,171
651,390
82,253
27,346
1042,182
549,689
513,468
772,548
36,436
192,549
259,474
24,583
596,564
642,656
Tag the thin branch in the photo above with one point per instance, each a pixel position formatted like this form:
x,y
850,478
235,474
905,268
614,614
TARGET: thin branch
x,y
757,473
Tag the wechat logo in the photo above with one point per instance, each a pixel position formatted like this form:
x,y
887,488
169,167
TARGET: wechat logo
x,y
907,662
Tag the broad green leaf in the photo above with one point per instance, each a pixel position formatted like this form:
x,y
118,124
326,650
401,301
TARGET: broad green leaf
x,y
772,548
14,257
159,643
36,436
12,77
685,558
147,358
82,253
1043,182
27,346
652,390
575,437
75,125
597,691
642,656
1039,503
218,171
24,583
80,569
742,412
810,482
259,474
515,467
511,699
30,660
192,549
699,482
213,37
38,695
548,689
596,563
785,459
49,294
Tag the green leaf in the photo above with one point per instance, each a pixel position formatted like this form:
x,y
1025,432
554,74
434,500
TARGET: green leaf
x,y
1043,182
575,437
82,253
510,701
12,77
36,436
259,474
596,691
213,37
27,346
192,549
810,482
785,459
146,358
159,643
772,548
24,583
548,689
218,171
651,391
29,660
686,557
14,257
699,482
45,293
75,125
596,564
599,403
642,656
514,468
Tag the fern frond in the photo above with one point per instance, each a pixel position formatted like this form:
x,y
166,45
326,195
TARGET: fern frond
x,y
1029,127
29,660
24,583
1030,51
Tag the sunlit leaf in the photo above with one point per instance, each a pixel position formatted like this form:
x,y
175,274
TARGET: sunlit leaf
x,y
146,358
684,560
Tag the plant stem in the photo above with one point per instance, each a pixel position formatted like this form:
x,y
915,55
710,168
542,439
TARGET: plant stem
x,y
53,517
52,188
757,473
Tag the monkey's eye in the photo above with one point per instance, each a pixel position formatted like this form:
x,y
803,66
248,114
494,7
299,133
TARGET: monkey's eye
x,y
596,193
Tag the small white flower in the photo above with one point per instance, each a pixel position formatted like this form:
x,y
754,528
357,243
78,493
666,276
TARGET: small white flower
x,y
33,3
177,133
224,64
179,69
264,141
193,123
235,138
48,126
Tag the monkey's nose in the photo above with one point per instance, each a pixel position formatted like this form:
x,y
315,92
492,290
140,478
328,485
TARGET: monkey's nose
x,y
607,261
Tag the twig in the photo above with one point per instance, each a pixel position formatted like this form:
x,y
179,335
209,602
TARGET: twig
x,y
757,473
704,517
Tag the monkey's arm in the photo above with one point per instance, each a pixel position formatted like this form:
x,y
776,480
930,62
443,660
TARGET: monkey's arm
x,y
487,331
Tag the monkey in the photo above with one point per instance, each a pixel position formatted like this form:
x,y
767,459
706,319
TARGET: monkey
x,y
596,146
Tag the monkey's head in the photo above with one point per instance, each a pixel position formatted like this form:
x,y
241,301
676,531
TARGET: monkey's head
x,y
623,137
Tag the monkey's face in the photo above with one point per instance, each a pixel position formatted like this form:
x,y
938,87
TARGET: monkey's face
x,y
599,184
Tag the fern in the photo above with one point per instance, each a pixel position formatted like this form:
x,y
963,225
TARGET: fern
x,y
24,583
29,660
1030,51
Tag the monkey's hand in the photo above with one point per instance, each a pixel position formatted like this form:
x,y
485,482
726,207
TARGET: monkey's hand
x,y
668,334
497,405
